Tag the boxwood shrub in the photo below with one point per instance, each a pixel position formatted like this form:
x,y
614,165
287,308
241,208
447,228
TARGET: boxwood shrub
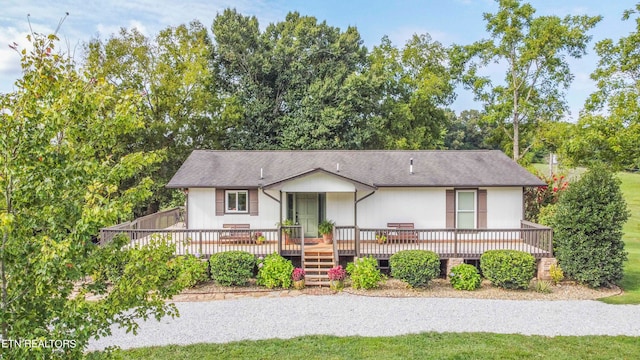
x,y
415,267
364,273
275,271
509,269
231,268
465,277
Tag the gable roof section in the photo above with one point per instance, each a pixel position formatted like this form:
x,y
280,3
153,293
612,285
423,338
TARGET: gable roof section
x,y
373,168
358,185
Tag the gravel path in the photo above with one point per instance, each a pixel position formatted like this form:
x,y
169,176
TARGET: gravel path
x,y
346,315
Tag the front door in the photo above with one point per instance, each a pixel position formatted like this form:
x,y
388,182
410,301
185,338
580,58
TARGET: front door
x,y
307,213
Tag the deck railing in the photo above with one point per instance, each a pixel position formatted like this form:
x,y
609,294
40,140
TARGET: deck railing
x,y
448,243
348,240
205,243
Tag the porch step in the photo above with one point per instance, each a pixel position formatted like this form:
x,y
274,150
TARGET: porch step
x,y
316,266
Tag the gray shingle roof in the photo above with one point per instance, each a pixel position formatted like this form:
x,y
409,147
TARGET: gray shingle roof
x,y
375,168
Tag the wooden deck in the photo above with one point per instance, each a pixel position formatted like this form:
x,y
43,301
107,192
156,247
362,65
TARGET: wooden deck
x,y
349,241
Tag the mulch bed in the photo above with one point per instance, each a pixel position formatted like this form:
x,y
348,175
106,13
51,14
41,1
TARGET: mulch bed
x,y
438,288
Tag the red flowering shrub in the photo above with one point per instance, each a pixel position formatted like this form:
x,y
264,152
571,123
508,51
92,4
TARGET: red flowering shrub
x,y
537,198
298,274
337,273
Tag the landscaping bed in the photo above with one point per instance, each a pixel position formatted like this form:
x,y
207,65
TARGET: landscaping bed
x,y
395,288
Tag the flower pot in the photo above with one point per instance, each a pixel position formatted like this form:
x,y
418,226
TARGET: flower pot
x,y
336,285
287,239
298,284
327,238
260,240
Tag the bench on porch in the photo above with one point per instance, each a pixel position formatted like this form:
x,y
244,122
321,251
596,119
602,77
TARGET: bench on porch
x,y
403,233
236,234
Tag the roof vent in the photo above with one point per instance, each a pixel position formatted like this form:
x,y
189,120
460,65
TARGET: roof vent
x,y
411,166
337,167
261,174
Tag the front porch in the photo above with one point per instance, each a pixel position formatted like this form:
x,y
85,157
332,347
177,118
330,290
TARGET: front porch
x,y
349,241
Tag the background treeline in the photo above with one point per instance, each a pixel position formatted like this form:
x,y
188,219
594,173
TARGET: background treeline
x,y
303,84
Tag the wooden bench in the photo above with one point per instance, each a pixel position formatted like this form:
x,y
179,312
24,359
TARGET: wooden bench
x,y
236,234
403,233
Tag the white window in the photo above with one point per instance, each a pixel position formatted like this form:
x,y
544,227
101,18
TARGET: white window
x,y
236,201
466,209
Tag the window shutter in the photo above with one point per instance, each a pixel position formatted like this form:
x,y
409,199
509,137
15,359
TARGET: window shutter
x,y
451,209
482,209
253,202
219,202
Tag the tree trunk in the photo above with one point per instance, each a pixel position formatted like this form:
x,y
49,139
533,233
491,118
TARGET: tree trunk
x,y
516,138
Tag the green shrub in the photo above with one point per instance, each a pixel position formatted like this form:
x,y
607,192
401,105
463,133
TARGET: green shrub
x,y
509,269
465,277
364,273
415,267
556,273
275,271
191,270
232,267
541,286
587,225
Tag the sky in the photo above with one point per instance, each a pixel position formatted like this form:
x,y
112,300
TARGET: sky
x,y
448,21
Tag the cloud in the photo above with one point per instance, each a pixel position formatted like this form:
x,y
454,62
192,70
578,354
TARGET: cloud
x,y
10,58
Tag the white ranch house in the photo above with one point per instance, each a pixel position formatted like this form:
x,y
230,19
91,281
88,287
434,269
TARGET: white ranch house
x,y
456,203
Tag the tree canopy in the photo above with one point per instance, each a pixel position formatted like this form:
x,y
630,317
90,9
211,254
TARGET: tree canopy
x,y
62,170
533,50
608,132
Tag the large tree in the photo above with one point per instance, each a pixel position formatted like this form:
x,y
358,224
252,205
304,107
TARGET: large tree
x,y
412,86
173,73
63,167
608,132
533,50
298,82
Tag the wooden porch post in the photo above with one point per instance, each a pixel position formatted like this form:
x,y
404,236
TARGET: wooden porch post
x,y
356,230
280,227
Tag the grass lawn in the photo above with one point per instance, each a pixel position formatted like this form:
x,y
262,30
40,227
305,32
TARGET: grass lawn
x,y
631,281
418,346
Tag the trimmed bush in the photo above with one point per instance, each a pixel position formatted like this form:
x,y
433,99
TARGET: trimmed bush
x,y
364,273
465,277
275,271
189,269
509,269
232,268
415,267
587,225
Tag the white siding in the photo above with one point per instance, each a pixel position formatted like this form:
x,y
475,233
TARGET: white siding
x,y
202,211
425,207
318,182
201,208
340,208
504,208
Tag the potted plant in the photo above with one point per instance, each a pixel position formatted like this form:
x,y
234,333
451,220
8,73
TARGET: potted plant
x,y
259,238
298,278
286,232
325,228
381,238
336,277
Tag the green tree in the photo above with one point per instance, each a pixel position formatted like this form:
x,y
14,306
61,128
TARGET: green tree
x,y
534,52
414,86
298,82
587,223
468,131
182,109
608,132
62,168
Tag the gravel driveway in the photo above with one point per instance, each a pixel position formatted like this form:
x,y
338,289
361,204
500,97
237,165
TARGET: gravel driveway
x,y
345,315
